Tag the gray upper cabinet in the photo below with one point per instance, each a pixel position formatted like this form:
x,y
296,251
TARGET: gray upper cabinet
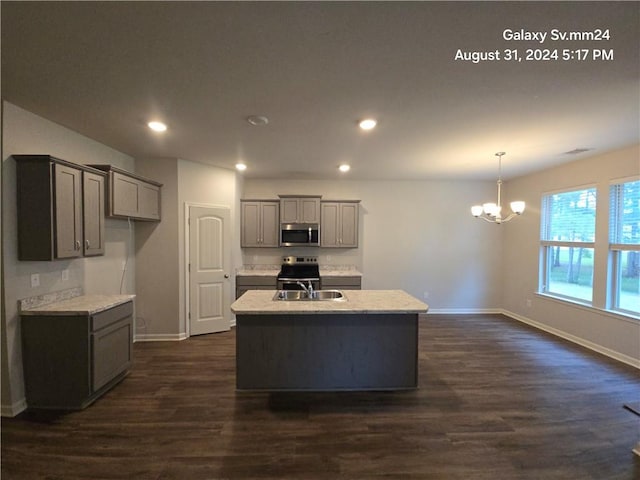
x,y
299,209
339,224
259,223
93,213
54,222
130,195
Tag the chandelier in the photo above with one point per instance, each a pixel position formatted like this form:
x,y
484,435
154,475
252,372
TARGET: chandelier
x,y
492,212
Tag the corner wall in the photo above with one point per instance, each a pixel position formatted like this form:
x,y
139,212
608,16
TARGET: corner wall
x,y
24,133
157,254
615,335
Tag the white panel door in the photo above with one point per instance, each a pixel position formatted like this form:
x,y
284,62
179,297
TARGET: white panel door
x,y
209,263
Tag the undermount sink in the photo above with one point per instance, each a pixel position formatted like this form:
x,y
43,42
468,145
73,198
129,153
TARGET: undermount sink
x,y
316,295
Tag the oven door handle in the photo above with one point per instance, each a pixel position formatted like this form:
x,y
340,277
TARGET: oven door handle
x,y
310,279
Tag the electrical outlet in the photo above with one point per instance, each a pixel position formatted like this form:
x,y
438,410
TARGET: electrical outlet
x,y
35,280
65,275
425,295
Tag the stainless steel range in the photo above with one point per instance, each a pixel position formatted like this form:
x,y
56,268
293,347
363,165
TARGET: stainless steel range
x,y
296,270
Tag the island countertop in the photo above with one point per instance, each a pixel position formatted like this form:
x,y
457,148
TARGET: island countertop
x,y
260,302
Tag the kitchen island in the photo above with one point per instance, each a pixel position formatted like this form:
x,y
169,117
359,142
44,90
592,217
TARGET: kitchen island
x,y
368,341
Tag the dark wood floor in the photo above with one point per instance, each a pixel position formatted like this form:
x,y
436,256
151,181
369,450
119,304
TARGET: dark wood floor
x,y
497,400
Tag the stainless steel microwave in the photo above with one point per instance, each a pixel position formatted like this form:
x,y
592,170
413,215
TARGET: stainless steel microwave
x,y
299,235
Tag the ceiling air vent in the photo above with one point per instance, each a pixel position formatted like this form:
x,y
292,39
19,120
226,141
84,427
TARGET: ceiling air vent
x,y
576,151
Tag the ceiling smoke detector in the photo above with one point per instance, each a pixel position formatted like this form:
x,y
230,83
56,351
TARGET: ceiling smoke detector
x,y
257,120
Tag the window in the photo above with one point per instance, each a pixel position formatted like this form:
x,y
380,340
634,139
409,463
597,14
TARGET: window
x,y
567,244
624,247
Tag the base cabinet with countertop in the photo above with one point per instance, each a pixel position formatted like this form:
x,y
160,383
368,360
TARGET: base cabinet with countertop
x,y
368,341
245,283
72,357
340,282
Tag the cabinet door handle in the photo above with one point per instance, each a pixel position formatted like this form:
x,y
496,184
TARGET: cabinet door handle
x,y
77,247
87,243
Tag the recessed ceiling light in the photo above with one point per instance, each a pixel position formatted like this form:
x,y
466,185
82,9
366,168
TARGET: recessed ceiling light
x,y
257,120
367,124
241,167
344,167
157,126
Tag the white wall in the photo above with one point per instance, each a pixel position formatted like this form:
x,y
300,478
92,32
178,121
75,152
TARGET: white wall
x,y
157,253
206,185
418,236
26,133
615,335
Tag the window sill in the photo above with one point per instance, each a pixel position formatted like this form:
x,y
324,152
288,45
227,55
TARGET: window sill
x,y
629,317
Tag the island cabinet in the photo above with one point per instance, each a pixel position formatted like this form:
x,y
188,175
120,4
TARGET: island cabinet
x,y
260,223
72,358
366,341
245,283
130,195
299,209
339,224
60,208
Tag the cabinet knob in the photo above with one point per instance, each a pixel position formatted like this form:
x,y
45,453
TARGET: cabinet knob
x,y
226,275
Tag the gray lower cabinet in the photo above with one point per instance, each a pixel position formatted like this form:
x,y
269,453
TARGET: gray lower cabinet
x,y
60,208
352,282
245,283
69,361
339,224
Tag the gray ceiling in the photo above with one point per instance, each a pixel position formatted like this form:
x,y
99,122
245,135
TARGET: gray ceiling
x,y
106,68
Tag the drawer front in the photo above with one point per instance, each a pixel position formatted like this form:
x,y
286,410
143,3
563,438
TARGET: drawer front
x,y
106,318
242,289
112,352
256,281
343,282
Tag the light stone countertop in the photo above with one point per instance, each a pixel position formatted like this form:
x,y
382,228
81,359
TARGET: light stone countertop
x,y
324,272
260,302
258,272
328,272
81,305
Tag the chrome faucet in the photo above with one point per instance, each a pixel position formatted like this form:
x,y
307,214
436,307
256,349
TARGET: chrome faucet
x,y
307,288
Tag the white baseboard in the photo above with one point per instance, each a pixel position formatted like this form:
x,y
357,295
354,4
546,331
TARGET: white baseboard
x,y
634,362
14,409
159,337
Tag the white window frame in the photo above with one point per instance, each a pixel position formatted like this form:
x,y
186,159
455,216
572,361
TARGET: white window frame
x,y
547,245
615,252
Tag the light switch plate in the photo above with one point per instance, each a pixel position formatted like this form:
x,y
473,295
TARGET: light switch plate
x,y
65,275
35,280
